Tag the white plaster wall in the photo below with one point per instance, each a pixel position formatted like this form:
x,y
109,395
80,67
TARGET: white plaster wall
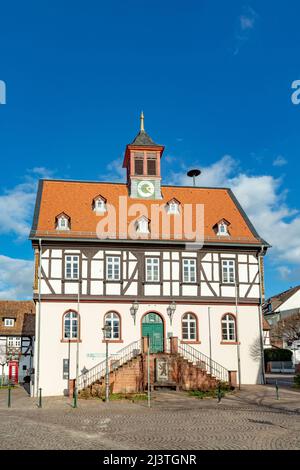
x,y
53,351
292,302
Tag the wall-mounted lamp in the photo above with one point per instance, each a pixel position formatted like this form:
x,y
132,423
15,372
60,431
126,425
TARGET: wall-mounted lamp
x,y
171,310
133,310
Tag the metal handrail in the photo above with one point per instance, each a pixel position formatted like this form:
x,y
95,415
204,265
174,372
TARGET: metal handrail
x,y
198,358
115,360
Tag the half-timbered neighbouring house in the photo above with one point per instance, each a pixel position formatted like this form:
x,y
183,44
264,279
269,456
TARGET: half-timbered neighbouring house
x,y
122,255
17,328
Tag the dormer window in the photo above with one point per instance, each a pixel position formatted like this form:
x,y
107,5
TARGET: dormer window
x,y
173,207
221,228
9,322
142,225
63,222
99,204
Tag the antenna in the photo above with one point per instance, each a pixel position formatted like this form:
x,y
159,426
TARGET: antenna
x,y
192,174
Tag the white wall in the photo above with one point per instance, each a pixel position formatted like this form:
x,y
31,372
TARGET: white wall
x,y
53,351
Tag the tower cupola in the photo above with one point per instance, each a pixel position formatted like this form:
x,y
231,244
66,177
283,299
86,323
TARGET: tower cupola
x,y
142,162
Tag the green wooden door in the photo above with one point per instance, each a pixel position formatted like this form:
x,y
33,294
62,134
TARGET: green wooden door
x,y
153,326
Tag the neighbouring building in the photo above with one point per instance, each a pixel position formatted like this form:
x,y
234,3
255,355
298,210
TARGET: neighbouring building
x,y
279,307
121,255
17,330
282,305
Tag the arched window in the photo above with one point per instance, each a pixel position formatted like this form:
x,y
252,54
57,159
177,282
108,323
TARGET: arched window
x,y
228,328
189,327
112,319
70,325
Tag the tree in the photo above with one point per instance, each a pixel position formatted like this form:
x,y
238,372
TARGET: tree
x,y
287,329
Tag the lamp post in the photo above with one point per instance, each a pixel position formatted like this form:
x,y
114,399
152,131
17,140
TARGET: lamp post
x,y
106,335
171,310
133,310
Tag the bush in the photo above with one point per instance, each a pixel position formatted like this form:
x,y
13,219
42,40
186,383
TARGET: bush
x,y
277,354
297,380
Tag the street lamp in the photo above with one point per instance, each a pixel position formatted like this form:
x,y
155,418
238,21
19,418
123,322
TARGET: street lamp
x,y
106,335
171,310
133,310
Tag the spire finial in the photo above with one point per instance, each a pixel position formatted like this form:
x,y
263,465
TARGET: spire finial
x,y
142,121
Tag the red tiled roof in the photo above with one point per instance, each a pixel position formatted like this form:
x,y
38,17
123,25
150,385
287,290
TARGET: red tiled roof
x,y
23,312
75,199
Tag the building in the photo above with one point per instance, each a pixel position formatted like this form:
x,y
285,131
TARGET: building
x,y
145,259
282,305
279,307
17,329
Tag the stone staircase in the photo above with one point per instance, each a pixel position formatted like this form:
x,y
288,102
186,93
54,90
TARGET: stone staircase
x,y
185,369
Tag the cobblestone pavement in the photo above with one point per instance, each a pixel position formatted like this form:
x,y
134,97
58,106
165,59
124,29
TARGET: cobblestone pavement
x,y
248,419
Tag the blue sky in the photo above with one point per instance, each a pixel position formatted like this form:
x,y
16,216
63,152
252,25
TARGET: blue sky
x,y
213,78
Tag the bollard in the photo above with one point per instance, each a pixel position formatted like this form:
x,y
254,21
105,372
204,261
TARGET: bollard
x,y
219,393
40,398
75,398
9,397
277,393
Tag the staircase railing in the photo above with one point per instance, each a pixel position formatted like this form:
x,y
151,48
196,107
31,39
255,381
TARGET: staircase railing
x,y
115,360
203,361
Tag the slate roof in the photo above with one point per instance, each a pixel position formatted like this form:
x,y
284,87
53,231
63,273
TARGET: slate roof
x,y
143,138
23,312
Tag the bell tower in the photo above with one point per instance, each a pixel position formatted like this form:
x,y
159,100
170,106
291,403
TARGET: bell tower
x,y
142,162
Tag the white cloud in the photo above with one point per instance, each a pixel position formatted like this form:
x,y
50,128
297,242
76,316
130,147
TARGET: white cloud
x,y
17,204
264,201
16,278
280,161
115,171
246,23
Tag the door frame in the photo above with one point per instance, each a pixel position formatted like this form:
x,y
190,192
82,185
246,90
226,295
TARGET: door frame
x,y
163,324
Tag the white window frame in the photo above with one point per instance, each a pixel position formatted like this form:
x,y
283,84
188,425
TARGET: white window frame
x,y
142,226
152,269
173,208
100,205
189,270
222,229
187,323
72,267
9,322
227,321
112,319
14,341
113,268
228,271
66,225
74,319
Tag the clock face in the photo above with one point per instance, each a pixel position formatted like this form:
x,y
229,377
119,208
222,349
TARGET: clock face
x,y
145,188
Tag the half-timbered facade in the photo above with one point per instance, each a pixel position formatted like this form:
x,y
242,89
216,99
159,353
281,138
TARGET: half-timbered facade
x,y
17,329
104,256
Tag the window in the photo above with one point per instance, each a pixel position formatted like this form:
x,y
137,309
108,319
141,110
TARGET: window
x,y
72,267
173,207
100,205
112,319
152,269
222,229
228,328
142,225
62,223
70,325
189,327
9,322
189,270
113,268
151,166
14,341
228,271
138,165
